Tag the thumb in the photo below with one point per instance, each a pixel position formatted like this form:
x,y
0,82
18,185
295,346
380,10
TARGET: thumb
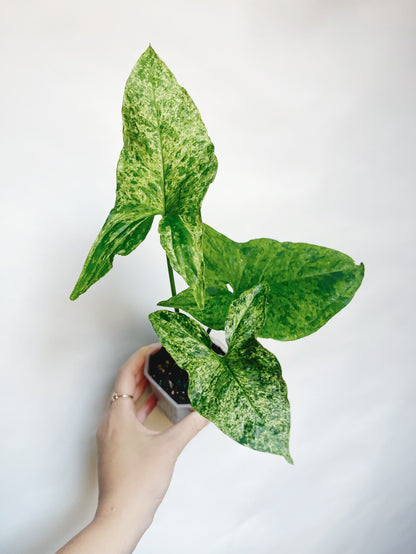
x,y
186,429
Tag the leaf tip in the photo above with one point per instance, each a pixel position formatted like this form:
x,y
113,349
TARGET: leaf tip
x,y
289,458
74,294
150,51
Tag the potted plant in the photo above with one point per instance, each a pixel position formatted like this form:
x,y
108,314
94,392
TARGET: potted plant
x,y
261,288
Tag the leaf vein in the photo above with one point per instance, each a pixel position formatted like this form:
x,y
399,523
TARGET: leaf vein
x,y
162,160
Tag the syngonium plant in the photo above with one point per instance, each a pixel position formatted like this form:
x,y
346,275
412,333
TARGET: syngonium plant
x,y
261,288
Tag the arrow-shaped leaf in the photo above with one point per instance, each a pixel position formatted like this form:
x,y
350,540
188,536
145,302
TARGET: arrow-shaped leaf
x,y
165,167
307,284
243,392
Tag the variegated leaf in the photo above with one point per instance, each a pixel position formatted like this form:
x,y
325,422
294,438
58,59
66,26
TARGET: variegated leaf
x,y
307,284
243,392
181,237
165,167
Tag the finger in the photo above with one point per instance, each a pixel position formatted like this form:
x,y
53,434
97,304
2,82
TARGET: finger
x,y
186,429
141,386
132,370
146,408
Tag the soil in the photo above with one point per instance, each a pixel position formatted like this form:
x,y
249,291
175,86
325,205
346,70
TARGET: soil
x,y
173,379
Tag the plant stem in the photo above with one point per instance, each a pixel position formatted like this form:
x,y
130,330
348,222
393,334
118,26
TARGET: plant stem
x,y
171,280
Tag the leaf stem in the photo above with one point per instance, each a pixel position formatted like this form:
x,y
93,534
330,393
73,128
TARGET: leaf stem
x,y
171,280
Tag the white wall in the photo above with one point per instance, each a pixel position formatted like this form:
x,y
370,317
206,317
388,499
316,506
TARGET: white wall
x,y
310,105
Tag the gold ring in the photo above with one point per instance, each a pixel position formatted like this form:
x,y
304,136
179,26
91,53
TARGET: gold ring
x,y
116,396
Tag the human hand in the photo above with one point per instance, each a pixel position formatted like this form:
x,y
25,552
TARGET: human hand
x,y
135,464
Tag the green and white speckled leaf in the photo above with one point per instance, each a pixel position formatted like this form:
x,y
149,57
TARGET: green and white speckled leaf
x,y
242,393
246,314
181,237
217,303
165,167
121,234
307,284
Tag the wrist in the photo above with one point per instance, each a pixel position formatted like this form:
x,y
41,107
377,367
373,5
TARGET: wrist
x,y
123,522
108,533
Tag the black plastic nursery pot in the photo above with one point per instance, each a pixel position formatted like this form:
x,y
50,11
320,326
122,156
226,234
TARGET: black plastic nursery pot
x,y
169,383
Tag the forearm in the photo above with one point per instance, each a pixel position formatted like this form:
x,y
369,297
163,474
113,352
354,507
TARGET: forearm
x,y
108,534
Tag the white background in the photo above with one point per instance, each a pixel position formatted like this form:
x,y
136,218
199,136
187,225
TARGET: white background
x,y
311,107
